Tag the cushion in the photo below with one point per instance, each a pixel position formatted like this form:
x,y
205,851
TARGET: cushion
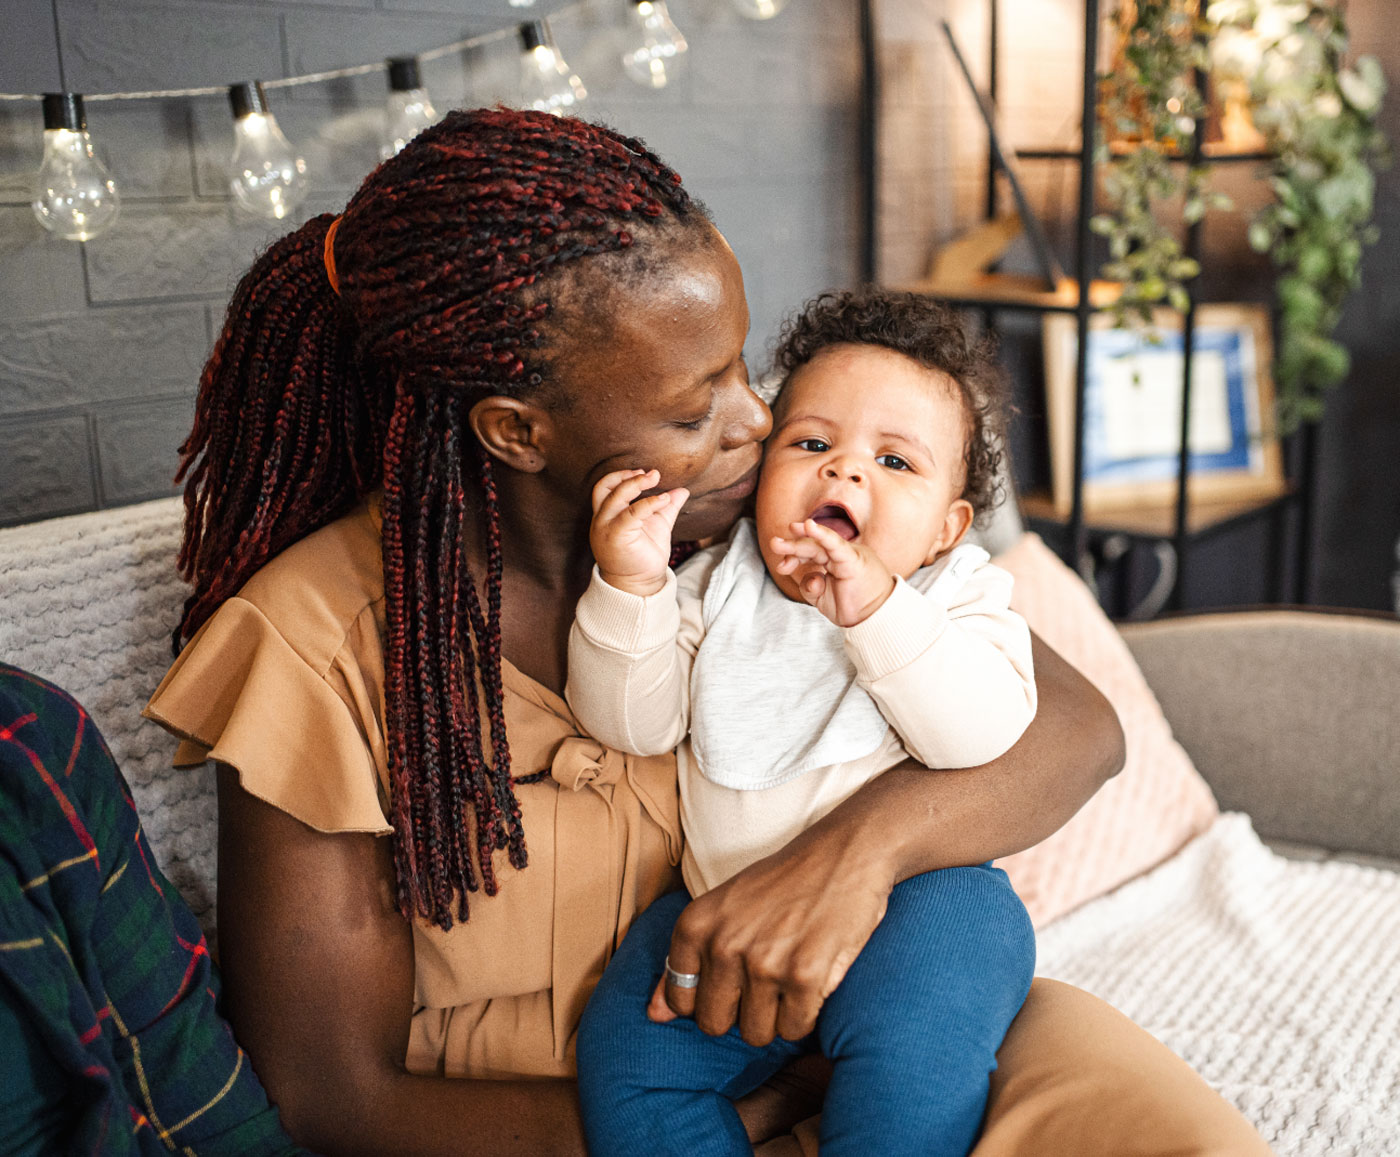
x,y
1154,805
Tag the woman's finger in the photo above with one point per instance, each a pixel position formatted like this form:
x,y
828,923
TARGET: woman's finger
x,y
797,1013
657,1008
717,1000
758,1009
683,975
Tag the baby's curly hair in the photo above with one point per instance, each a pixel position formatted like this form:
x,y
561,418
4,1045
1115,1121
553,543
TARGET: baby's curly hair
x,y
930,334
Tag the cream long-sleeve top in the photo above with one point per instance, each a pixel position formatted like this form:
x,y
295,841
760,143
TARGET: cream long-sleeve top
x,y
776,714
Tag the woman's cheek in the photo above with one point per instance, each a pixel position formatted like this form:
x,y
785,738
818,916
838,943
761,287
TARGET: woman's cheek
x,y
684,471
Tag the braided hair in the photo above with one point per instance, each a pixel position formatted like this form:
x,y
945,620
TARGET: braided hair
x,y
450,258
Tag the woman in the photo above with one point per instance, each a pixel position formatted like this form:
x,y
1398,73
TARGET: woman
x,y
387,527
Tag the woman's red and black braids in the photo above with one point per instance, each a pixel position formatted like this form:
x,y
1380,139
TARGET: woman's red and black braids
x,y
446,258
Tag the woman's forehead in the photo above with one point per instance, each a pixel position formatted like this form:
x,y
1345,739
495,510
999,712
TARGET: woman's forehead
x,y
682,324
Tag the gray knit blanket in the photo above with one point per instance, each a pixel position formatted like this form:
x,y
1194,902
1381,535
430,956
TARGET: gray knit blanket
x,y
89,603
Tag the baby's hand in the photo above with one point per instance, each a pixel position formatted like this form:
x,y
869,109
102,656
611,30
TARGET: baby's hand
x,y
631,536
846,581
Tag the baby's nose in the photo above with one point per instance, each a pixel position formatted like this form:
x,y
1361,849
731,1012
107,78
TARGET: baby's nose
x,y
846,468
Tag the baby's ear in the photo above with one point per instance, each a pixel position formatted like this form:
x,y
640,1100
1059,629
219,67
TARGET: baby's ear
x,y
956,523
511,430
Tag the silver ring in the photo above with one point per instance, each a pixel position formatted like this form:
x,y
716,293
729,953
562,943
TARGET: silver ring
x,y
681,979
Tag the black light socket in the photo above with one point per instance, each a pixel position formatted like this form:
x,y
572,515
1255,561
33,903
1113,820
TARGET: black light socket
x,y
247,98
403,73
533,34
64,110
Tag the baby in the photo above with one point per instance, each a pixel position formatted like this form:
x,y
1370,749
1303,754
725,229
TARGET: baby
x,y
844,629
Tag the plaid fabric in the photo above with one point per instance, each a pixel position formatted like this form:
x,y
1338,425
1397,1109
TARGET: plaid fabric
x,y
102,966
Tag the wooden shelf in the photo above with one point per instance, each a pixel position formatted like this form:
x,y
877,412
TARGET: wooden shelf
x,y
1157,520
1213,151
1015,290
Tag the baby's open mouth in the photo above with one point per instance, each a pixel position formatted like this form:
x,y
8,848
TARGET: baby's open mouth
x,y
835,518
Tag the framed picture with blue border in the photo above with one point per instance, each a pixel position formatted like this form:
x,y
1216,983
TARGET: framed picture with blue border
x,y
1132,409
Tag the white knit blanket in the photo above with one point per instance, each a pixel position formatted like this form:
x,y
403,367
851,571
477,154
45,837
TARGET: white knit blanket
x,y
1277,980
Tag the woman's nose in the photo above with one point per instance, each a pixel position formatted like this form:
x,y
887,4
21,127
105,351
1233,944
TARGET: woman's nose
x,y
750,420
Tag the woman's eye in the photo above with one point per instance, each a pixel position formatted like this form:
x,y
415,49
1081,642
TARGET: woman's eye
x,y
893,461
696,423
814,445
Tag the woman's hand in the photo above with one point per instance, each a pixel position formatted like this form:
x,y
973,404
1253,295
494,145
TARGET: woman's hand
x,y
772,942
631,535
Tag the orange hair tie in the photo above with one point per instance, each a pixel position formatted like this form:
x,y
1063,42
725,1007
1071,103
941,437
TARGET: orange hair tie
x,y
329,255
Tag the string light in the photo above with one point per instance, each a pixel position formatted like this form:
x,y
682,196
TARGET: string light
x,y
654,61
74,196
267,176
409,110
546,82
759,9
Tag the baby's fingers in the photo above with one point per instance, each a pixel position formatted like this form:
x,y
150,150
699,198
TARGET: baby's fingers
x,y
799,549
837,548
616,491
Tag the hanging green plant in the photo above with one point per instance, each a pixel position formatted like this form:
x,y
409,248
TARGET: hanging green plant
x,y
1149,104
1317,115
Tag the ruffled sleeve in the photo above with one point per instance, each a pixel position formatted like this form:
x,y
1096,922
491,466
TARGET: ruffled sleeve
x,y
285,684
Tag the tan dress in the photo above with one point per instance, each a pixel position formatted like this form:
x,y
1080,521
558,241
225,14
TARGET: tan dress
x,y
285,683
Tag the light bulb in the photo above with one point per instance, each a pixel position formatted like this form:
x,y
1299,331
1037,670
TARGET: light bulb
x,y
409,110
74,196
654,61
759,9
267,177
545,80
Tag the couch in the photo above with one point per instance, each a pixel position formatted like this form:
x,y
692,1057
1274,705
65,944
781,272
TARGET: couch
x,y
1273,968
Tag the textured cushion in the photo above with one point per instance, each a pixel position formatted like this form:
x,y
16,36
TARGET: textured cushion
x,y
1154,805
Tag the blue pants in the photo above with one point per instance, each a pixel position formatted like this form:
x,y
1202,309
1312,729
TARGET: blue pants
x,y
912,1030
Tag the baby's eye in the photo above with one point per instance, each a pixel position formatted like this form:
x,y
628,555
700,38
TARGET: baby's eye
x,y
893,462
815,445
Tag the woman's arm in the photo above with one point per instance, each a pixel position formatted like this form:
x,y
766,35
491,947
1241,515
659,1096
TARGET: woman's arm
x,y
318,968
774,941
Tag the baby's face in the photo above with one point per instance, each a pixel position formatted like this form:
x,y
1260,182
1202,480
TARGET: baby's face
x,y
869,443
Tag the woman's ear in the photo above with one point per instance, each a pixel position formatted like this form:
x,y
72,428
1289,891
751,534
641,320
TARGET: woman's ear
x,y
512,430
956,523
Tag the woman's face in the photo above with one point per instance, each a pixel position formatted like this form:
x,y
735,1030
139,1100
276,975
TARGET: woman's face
x,y
667,389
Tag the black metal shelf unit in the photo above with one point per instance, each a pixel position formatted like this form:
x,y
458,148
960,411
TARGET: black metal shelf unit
x,y
1076,526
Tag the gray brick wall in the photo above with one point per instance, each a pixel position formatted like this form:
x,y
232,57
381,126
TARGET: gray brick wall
x,y
101,343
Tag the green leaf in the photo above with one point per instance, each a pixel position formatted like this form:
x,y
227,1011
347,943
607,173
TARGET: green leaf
x,y
1362,87
1261,237
1314,263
